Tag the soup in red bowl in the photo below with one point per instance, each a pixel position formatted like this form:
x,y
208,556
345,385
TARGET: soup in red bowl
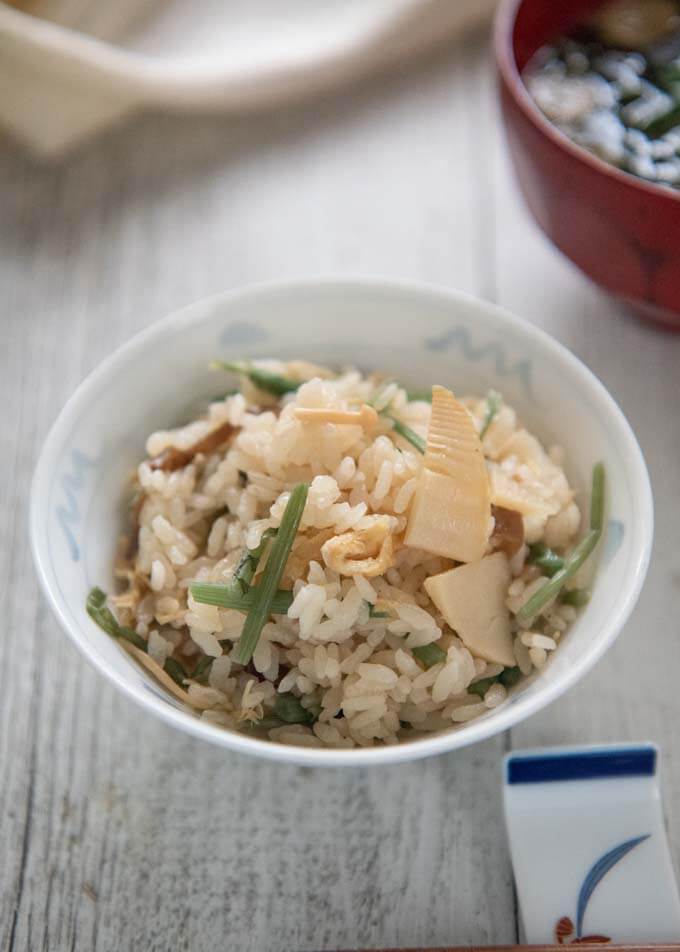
x,y
588,195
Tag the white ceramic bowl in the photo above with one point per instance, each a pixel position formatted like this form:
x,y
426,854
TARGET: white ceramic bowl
x,y
420,335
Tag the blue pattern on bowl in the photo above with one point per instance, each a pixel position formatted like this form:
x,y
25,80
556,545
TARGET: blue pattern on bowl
x,y
242,332
72,483
496,351
612,541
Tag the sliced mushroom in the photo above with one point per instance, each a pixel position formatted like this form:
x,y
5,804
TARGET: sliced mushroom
x,y
173,458
135,584
365,417
508,532
472,600
368,551
155,669
507,493
132,541
306,548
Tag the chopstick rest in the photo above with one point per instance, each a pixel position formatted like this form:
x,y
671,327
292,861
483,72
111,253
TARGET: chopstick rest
x,y
588,845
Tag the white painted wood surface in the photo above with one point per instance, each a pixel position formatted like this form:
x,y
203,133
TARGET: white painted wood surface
x,y
117,833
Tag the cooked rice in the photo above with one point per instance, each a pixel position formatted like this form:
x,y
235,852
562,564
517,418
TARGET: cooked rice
x,y
358,671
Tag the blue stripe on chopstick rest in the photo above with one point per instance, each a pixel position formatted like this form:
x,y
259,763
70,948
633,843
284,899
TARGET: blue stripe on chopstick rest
x,y
582,765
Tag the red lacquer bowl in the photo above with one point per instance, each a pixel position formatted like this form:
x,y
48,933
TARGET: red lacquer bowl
x,y
619,230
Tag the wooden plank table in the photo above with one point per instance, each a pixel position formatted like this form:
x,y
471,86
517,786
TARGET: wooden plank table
x,y
117,833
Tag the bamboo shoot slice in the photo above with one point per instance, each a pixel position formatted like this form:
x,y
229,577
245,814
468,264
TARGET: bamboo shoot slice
x,y
510,494
451,511
472,600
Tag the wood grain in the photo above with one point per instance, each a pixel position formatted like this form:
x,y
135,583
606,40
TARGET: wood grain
x,y
116,832
657,947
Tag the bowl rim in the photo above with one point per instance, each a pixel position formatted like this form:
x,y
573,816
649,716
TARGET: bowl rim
x,y
438,743
503,30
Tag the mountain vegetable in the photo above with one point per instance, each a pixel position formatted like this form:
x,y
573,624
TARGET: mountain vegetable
x,y
578,556
230,595
481,687
578,597
275,384
289,708
508,677
429,655
202,669
548,561
398,426
175,670
424,395
264,595
247,566
494,401
403,430
99,613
